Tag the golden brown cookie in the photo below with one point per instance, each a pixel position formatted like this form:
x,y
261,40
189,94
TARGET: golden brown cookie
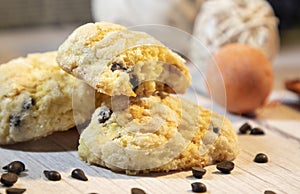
x,y
155,134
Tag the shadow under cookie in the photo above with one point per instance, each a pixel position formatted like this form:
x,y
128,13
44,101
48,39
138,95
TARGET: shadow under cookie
x,y
56,142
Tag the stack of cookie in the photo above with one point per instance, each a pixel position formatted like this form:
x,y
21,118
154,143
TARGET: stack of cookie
x,y
142,126
139,124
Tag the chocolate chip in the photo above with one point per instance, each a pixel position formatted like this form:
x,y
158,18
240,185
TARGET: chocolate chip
x,y
198,172
52,175
8,179
15,120
117,137
216,130
104,114
261,158
28,104
79,174
257,131
198,187
269,192
117,66
225,167
137,191
134,81
245,128
15,167
15,191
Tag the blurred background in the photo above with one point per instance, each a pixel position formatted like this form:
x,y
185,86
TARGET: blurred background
x,y
42,25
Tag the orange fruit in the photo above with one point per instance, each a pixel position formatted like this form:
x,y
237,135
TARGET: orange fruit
x,y
246,80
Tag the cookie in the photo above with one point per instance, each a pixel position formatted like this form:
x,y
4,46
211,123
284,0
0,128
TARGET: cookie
x,y
156,134
117,61
35,98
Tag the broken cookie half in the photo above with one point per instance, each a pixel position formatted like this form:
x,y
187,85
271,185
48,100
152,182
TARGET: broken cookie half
x,y
117,61
156,134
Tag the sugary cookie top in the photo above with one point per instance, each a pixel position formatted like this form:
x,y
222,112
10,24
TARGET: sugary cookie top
x,y
92,51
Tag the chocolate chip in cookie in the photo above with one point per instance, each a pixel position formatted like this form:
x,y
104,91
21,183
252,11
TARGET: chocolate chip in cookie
x,y
28,104
104,114
15,120
117,66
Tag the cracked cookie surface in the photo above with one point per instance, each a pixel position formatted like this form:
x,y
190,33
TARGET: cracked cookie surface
x,y
117,61
35,98
156,134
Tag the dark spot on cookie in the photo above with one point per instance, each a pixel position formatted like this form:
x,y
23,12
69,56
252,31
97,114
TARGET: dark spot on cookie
x,y
119,136
134,81
216,130
104,114
15,120
117,66
28,104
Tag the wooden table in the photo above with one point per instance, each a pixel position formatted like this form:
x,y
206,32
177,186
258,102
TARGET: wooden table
x,y
281,143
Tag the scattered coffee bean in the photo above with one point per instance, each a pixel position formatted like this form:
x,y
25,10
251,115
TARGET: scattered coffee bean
x,y
245,128
117,66
225,167
8,179
198,172
15,191
137,191
104,114
257,131
269,192
15,120
52,175
15,167
79,174
261,158
28,104
198,187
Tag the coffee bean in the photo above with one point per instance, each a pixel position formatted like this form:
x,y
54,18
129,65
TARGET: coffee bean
x,y
225,167
269,192
117,66
8,179
245,128
15,120
257,131
52,175
15,191
198,172
15,167
261,158
137,191
198,187
79,174
104,114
